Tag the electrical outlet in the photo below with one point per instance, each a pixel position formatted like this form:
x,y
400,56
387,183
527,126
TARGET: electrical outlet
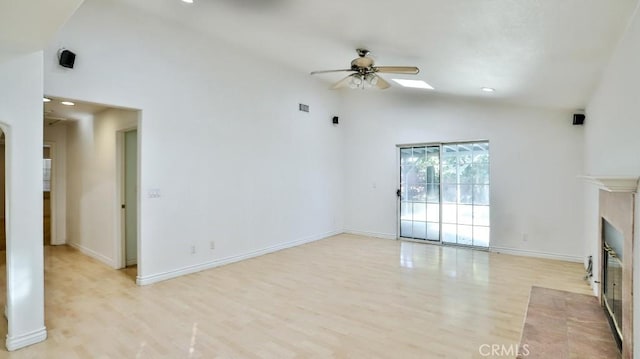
x,y
525,237
193,249
213,245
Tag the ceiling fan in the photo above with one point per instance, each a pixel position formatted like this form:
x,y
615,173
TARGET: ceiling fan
x,y
365,74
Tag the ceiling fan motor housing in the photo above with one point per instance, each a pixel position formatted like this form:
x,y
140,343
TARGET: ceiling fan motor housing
x,y
362,63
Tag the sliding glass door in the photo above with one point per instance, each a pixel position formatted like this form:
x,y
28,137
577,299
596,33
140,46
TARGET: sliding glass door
x,y
444,193
420,192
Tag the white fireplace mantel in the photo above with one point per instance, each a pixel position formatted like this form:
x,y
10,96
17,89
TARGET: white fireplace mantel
x,y
614,183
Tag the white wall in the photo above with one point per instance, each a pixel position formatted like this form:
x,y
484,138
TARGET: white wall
x,y
611,145
21,119
221,137
535,160
92,183
56,136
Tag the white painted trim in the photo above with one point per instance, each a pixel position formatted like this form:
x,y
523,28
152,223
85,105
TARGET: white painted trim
x,y
614,183
93,254
132,262
23,340
371,234
154,278
536,254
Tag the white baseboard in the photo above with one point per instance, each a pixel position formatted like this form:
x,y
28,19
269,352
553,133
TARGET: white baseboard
x,y
371,234
93,254
23,340
154,278
59,242
536,254
132,262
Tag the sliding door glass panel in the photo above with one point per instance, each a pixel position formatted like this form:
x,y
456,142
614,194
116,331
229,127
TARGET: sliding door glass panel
x,y
465,193
465,235
449,233
481,215
465,214
481,236
449,193
481,194
420,192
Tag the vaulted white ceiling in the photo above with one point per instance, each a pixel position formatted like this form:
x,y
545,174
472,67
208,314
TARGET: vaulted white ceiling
x,y
535,52
27,26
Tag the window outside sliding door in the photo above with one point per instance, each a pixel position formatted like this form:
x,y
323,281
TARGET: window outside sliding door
x,y
444,193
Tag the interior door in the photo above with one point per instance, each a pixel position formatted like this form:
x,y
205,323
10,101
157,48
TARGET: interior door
x,y
131,196
419,193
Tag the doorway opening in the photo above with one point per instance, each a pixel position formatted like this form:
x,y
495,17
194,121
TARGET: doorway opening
x,y
87,165
128,159
444,193
46,195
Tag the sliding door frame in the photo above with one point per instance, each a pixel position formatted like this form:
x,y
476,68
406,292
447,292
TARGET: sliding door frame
x,y
398,168
399,148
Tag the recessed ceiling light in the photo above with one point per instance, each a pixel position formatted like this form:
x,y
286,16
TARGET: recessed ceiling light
x,y
67,103
188,1
44,99
488,89
418,84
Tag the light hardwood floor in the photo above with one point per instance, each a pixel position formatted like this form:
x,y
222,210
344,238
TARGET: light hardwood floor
x,y
346,296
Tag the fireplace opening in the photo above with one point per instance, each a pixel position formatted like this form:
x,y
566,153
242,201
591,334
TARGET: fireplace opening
x,y
612,254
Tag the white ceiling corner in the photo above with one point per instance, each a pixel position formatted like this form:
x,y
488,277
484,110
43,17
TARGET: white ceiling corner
x,y
27,26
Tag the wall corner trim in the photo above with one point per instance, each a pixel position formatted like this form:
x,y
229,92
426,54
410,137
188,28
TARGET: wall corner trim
x,y
23,340
154,278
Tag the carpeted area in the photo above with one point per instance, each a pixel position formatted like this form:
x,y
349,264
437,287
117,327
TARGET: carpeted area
x,y
561,324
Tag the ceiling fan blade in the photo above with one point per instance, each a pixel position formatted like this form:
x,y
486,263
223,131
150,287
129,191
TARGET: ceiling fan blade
x,y
342,83
329,71
397,69
382,83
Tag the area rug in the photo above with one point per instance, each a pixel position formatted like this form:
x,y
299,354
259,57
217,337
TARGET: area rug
x,y
560,324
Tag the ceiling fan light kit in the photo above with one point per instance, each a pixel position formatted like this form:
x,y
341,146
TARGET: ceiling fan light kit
x,y
365,74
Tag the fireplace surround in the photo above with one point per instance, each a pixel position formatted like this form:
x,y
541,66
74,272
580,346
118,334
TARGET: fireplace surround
x,y
616,232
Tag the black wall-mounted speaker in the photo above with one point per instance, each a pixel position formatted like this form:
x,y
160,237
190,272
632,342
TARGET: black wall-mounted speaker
x,y
578,119
67,59
335,120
